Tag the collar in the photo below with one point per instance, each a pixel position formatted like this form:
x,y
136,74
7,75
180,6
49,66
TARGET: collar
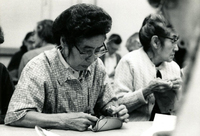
x,y
76,74
107,55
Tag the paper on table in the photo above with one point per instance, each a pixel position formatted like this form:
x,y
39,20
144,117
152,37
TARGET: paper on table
x,y
43,132
161,123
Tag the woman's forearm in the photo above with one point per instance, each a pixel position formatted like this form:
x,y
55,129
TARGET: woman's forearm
x,y
32,118
134,100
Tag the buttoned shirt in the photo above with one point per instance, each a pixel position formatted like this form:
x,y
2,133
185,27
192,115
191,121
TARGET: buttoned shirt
x,y
49,85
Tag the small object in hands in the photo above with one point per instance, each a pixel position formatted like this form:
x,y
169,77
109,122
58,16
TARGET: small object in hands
x,y
170,83
107,123
43,132
110,111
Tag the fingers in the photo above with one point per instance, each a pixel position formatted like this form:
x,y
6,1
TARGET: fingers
x,y
122,113
82,124
91,118
176,83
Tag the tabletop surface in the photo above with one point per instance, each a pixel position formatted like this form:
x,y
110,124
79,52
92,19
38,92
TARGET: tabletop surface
x,y
128,129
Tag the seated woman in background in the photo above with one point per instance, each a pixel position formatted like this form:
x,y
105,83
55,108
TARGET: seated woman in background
x,y
13,66
6,86
148,80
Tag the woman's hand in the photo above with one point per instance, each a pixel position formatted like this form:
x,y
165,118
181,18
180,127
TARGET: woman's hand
x,y
77,121
121,112
177,83
160,86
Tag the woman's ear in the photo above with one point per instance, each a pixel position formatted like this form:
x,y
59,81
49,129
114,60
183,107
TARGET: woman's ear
x,y
155,42
63,47
62,41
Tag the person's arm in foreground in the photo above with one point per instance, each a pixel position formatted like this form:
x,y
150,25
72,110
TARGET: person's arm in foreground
x,y
73,121
26,106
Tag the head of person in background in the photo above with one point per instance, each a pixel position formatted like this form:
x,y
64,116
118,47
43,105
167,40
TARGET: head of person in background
x,y
113,43
159,39
112,58
43,33
69,82
1,36
13,65
133,42
28,42
43,40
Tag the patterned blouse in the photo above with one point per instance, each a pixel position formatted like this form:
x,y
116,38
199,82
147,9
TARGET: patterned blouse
x,y
47,85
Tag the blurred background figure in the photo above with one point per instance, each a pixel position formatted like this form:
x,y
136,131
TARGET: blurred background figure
x,y
13,66
184,15
1,36
133,42
112,58
6,86
43,40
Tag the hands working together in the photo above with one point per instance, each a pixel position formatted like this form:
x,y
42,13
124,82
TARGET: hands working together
x,y
162,86
81,121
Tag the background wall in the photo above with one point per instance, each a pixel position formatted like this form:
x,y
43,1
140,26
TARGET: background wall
x,y
17,17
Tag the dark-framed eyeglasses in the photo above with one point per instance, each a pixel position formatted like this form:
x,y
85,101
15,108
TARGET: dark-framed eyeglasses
x,y
98,52
173,39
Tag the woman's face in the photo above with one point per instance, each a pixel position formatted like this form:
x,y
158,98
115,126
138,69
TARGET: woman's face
x,y
167,51
37,39
29,43
88,46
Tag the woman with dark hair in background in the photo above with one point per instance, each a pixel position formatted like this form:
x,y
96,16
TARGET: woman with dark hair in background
x,y
13,66
147,80
43,40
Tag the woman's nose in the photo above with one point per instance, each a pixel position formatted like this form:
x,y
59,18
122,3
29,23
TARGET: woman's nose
x,y
176,47
91,58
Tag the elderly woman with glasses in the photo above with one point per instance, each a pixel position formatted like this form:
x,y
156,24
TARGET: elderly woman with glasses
x,y
147,80
67,87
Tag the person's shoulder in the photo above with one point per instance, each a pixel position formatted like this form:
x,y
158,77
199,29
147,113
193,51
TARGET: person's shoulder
x,y
174,65
42,58
30,53
3,69
99,63
132,55
2,66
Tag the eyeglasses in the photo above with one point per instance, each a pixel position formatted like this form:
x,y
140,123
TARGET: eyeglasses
x,y
98,52
173,39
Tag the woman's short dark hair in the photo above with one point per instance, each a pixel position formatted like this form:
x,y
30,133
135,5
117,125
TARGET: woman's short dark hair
x,y
116,38
81,21
28,35
154,24
44,30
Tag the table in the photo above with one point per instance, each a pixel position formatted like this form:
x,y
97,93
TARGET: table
x,y
128,129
